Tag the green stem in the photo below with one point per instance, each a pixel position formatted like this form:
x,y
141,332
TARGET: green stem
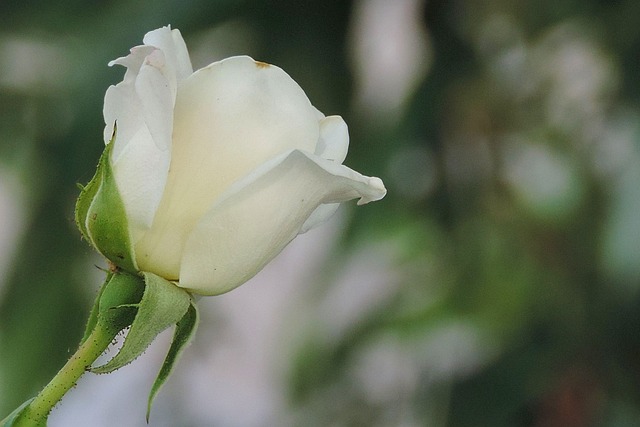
x,y
35,415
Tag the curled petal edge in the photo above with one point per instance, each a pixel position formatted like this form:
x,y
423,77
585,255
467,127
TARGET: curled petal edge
x,y
334,139
260,214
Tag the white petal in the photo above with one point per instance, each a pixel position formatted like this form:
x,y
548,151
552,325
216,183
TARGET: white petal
x,y
142,108
334,139
157,100
333,145
140,174
153,72
121,103
229,118
171,43
261,214
133,61
319,114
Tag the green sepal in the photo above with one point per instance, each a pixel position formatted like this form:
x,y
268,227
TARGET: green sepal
x,y
185,330
101,216
87,194
115,305
13,418
118,301
163,304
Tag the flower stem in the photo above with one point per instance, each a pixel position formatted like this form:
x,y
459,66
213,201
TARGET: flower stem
x,y
35,415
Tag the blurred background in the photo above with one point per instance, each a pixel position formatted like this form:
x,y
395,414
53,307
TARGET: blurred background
x,y
497,284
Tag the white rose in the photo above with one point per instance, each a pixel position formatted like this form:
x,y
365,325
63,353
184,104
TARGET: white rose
x,y
216,170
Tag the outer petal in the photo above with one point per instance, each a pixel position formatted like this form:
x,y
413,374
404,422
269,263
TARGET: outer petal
x,y
140,174
121,103
141,154
230,118
261,214
142,106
